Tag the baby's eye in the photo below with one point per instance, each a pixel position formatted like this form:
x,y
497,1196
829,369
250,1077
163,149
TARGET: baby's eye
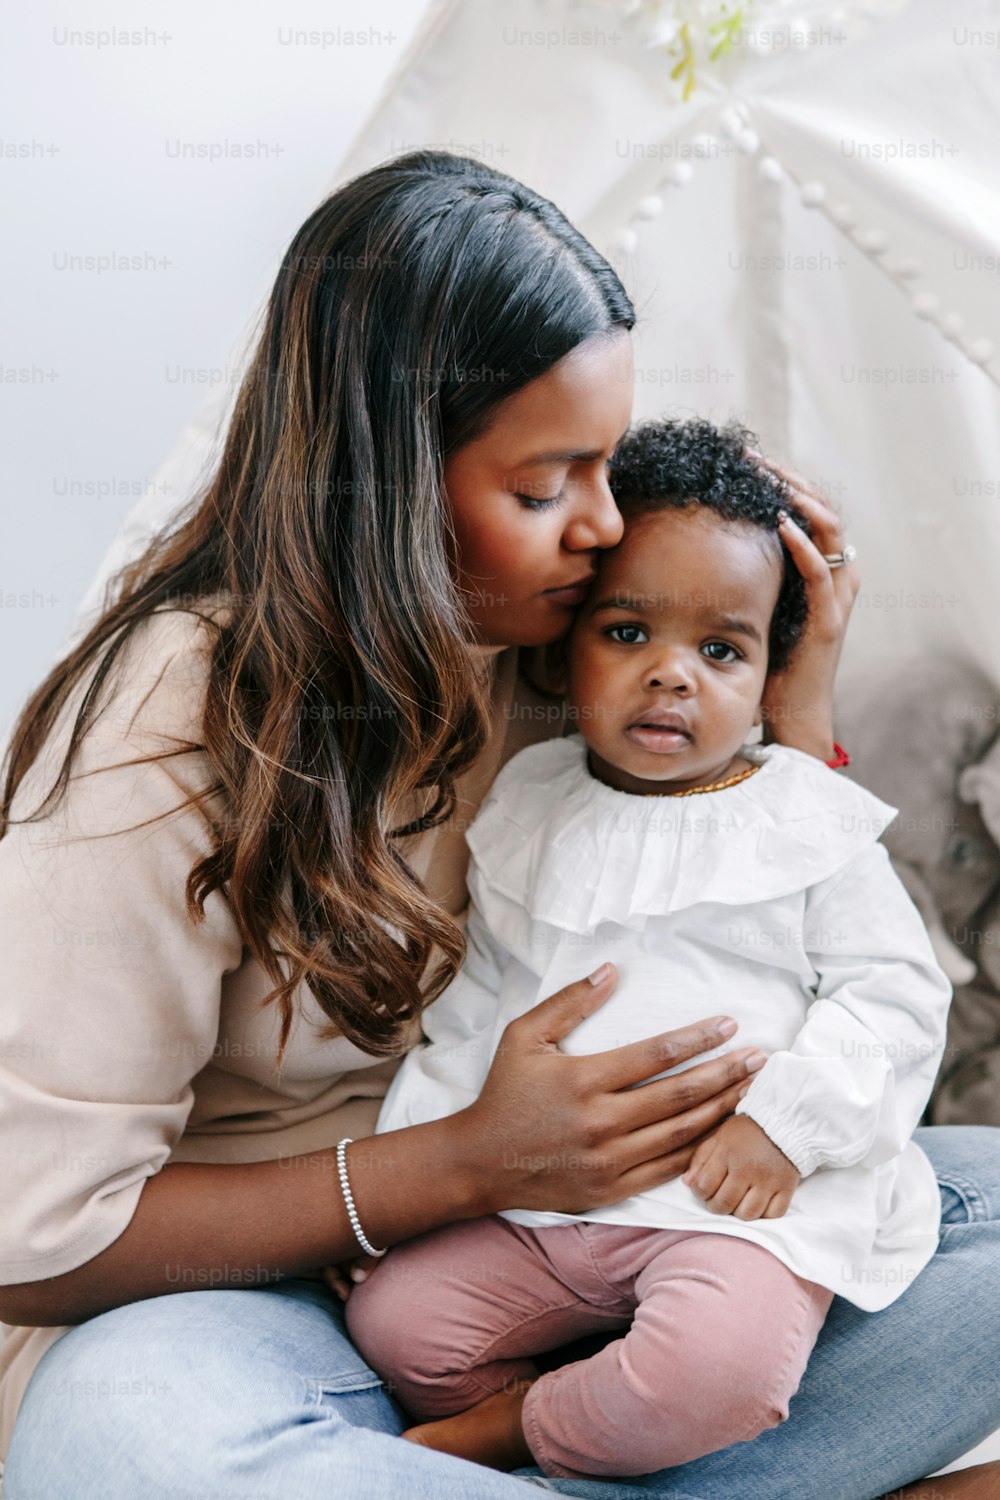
x,y
627,640
720,651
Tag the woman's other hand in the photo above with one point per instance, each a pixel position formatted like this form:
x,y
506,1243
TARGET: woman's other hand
x,y
798,703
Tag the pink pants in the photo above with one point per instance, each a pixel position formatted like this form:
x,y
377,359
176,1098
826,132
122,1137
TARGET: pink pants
x,y
720,1335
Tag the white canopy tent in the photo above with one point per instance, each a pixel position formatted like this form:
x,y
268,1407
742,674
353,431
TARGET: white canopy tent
x,y
820,253
811,237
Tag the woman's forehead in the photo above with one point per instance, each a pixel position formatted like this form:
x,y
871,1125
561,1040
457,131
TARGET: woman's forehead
x,y
576,411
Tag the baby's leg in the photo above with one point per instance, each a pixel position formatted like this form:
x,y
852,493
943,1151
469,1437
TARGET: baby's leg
x,y
721,1337
449,1317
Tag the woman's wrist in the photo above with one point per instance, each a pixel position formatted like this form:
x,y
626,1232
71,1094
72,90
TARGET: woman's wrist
x,y
473,1184
409,1181
812,733
463,1187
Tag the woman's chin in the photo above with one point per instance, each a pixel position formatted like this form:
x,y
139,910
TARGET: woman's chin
x,y
528,626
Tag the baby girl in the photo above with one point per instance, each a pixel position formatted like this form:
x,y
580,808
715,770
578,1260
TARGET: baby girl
x,y
717,874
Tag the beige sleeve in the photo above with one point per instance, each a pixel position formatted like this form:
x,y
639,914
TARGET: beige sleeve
x,y
111,993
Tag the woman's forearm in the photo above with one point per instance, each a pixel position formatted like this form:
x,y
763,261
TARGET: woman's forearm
x,y
812,733
199,1226
548,1130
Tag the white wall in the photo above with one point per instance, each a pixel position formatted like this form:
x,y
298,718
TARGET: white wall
x,y
103,366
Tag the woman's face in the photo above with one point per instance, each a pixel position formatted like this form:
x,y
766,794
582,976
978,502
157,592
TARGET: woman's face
x,y
529,498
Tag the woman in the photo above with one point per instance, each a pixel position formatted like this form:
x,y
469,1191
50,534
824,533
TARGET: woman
x,y
223,928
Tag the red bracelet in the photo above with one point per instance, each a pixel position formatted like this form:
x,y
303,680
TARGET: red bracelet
x,y
840,758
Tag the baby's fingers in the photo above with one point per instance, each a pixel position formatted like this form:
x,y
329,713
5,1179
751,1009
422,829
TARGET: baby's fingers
x,y
753,1204
778,1206
699,1159
336,1279
707,1171
346,1274
729,1195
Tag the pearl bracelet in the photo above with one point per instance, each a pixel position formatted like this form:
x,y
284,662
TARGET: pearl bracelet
x,y
352,1212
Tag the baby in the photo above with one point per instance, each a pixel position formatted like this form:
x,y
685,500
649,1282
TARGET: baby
x,y
718,875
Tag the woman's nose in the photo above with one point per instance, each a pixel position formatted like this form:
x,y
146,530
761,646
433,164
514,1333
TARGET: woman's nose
x,y
598,523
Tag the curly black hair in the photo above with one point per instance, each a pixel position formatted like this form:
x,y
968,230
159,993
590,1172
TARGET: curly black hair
x,y
663,463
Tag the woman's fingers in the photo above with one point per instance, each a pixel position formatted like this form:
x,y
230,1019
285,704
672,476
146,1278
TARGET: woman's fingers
x,y
822,581
817,508
802,488
825,525
635,1062
826,528
806,555
667,1149
685,1095
607,1129
826,534
554,1018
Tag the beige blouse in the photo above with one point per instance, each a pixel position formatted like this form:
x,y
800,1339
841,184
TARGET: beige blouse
x,y
131,1036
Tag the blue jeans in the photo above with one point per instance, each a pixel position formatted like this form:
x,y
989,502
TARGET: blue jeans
x,y
259,1395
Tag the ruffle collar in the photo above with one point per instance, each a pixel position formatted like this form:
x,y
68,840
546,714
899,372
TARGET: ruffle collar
x,y
574,852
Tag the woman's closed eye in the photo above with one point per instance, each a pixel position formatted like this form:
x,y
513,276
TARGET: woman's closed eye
x,y
536,502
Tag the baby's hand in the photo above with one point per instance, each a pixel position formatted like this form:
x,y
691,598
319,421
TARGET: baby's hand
x,y
342,1277
740,1171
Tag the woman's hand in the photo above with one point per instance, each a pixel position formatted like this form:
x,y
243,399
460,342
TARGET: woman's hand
x,y
551,1131
798,703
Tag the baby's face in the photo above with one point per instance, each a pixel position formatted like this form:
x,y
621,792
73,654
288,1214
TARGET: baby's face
x,y
668,655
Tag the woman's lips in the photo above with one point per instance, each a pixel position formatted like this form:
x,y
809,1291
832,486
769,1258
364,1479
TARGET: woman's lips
x,y
661,740
574,594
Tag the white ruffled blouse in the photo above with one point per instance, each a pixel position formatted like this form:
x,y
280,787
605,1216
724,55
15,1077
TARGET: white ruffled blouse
x,y
771,901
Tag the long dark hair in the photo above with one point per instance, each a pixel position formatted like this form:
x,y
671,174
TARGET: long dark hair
x,y
410,303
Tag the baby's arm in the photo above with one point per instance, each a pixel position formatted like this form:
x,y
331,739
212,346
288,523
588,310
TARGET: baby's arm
x,y
851,1088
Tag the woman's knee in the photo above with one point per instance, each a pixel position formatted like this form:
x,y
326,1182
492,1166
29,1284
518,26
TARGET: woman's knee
x,y
176,1391
94,1396
966,1159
